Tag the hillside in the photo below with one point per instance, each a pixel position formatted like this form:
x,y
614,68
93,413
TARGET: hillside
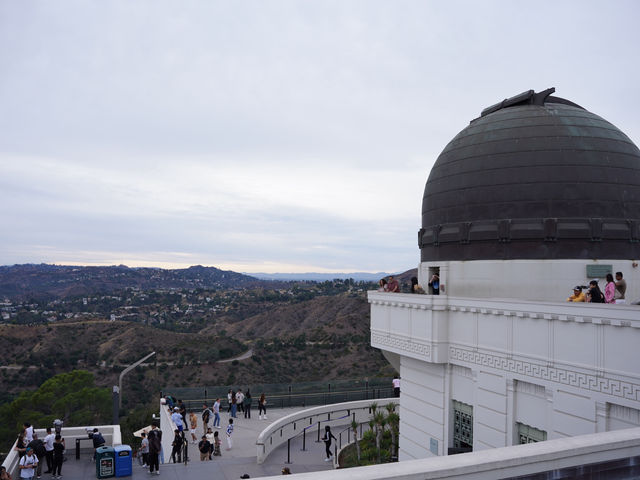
x,y
316,319
318,339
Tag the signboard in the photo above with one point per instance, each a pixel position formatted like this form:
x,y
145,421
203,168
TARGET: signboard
x,y
598,271
106,467
433,446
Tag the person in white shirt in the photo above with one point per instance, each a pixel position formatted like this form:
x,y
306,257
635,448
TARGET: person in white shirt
x,y
28,464
177,419
28,432
229,433
216,413
48,446
396,386
240,400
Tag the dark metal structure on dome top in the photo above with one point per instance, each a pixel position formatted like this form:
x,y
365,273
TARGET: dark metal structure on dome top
x,y
534,177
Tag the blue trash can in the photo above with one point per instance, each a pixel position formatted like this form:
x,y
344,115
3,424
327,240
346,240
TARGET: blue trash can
x,y
104,462
124,460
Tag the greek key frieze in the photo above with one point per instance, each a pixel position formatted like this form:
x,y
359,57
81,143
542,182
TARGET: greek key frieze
x,y
401,344
608,386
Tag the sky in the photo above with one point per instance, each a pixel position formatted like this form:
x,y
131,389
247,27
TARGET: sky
x,y
269,136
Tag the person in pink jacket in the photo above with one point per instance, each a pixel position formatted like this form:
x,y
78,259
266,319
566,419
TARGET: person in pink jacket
x,y
610,290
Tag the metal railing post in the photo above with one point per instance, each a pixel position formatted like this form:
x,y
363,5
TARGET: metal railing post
x,y
318,440
288,451
304,440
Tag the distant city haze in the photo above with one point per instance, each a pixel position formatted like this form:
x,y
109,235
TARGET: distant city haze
x,y
268,137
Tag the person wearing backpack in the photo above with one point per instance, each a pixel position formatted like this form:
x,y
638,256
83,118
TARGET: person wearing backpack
x,y
206,416
28,464
39,450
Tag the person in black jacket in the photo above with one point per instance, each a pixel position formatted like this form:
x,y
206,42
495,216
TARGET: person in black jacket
x,y
155,445
327,442
58,456
594,294
205,449
177,446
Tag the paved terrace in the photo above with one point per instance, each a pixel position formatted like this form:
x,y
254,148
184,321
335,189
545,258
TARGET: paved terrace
x,y
231,465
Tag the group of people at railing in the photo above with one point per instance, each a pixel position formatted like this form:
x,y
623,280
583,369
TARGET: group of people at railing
x,y
33,451
391,285
614,291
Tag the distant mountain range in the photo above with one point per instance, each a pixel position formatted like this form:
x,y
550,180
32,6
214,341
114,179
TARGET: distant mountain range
x,y
42,281
321,277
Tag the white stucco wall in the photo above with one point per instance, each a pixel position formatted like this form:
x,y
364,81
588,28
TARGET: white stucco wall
x,y
546,280
566,369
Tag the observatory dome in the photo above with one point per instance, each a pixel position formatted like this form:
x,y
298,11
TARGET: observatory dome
x,y
534,177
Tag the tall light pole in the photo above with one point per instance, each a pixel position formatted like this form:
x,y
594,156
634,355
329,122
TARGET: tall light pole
x,y
124,372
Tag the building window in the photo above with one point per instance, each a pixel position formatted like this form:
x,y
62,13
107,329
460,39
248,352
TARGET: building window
x,y
462,425
527,434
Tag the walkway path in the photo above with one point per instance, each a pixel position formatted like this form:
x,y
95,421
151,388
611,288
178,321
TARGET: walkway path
x,y
244,356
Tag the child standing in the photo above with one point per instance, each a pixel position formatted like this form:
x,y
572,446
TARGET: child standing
x,y
229,433
144,449
216,445
210,439
193,425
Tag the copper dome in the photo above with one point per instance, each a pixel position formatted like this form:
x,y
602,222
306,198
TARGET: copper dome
x,y
534,177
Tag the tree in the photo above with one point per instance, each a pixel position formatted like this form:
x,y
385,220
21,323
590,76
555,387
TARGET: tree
x,y
393,421
354,427
72,397
379,421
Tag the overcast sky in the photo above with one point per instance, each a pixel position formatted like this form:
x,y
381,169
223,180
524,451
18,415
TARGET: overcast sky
x,y
269,136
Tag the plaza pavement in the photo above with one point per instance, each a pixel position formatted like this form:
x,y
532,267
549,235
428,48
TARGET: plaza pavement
x,y
232,464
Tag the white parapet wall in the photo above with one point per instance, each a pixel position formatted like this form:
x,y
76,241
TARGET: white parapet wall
x,y
506,462
168,427
295,424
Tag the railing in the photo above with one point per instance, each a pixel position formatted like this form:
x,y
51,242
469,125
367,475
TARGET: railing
x,y
307,422
72,436
282,395
287,400
599,455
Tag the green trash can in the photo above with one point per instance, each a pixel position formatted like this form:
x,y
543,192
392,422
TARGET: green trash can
x,y
105,462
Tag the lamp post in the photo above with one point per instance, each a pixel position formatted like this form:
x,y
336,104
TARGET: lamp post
x,y
127,370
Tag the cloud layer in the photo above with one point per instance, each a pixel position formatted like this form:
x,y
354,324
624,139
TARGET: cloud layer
x,y
268,136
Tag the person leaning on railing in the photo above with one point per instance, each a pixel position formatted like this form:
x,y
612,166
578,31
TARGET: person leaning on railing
x,y
578,295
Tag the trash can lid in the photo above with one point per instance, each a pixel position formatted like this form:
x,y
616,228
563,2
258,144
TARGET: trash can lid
x,y
122,448
104,449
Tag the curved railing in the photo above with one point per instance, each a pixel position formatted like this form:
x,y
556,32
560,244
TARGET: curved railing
x,y
310,422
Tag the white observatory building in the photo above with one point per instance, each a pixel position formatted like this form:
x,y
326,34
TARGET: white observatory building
x,y
532,198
